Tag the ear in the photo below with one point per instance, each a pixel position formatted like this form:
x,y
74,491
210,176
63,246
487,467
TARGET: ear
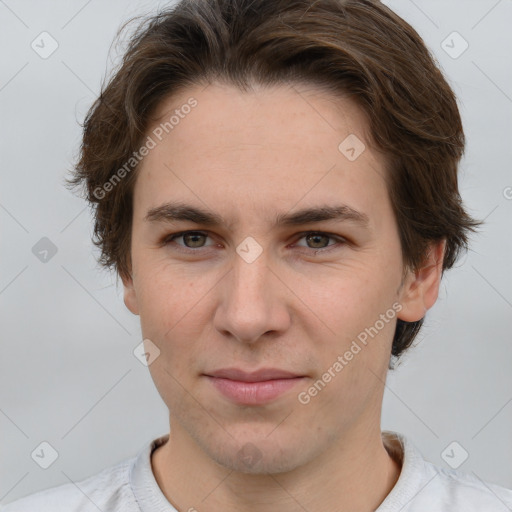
x,y
130,295
420,288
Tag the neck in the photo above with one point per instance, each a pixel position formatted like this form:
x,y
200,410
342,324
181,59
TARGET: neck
x,y
357,474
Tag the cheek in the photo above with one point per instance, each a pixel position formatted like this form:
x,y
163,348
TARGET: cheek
x,y
348,299
168,296
358,340
170,309
174,313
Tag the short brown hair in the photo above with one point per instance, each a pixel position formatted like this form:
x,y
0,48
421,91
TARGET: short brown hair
x,y
355,48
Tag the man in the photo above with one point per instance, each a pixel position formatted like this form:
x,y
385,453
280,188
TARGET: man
x,y
275,181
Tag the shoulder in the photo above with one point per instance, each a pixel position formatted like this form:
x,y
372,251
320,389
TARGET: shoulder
x,y
423,486
108,490
454,487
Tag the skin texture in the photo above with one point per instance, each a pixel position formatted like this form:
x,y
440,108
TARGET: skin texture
x,y
248,156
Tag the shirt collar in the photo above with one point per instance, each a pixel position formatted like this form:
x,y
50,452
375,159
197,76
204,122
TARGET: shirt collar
x,y
150,497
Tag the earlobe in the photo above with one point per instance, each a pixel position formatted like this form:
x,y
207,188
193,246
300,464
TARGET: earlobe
x,y
130,296
421,287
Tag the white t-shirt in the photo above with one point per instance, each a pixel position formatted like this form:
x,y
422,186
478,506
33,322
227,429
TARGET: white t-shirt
x,y
130,486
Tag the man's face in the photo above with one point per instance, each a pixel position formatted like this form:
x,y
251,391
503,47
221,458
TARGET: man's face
x,y
251,294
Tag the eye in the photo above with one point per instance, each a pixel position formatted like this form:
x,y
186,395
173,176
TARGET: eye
x,y
193,239
318,239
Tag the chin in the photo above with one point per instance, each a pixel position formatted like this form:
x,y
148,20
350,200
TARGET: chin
x,y
257,456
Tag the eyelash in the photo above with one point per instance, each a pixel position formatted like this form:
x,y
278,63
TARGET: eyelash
x,y
169,239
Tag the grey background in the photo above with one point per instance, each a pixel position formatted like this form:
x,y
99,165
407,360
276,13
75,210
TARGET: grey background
x,y
68,375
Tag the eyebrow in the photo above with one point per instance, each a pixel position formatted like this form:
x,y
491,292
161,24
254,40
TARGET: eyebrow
x,y
177,211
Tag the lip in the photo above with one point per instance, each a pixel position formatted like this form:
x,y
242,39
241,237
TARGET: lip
x,y
253,388
257,376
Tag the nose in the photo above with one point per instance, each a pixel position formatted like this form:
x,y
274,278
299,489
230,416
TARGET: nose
x,y
253,301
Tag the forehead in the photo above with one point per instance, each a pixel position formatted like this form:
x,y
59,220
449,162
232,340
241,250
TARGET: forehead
x,y
284,144
263,114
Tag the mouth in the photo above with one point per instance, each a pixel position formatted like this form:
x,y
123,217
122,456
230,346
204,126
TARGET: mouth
x,y
253,388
